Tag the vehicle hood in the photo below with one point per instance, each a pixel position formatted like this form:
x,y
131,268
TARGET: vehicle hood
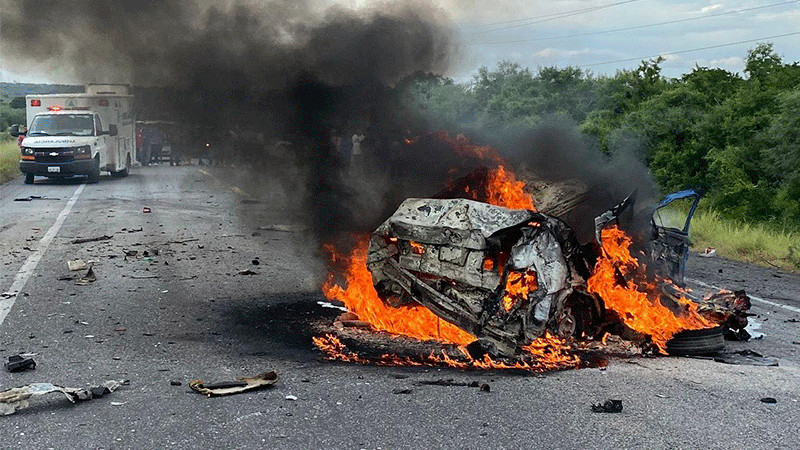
x,y
57,141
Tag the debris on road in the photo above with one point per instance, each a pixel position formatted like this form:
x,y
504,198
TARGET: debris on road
x,y
247,272
90,277
94,239
76,264
746,358
291,398
18,363
145,210
183,241
325,304
242,384
729,309
485,387
401,391
34,197
609,406
709,252
175,383
768,400
12,400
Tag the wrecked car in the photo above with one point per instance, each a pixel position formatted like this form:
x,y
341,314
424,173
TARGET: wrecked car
x,y
506,276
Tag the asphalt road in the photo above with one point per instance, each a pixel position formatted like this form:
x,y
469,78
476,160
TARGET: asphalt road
x,y
186,313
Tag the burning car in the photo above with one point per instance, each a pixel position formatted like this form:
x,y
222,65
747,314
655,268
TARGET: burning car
x,y
507,276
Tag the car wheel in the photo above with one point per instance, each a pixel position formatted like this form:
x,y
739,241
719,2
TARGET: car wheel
x,y
29,178
696,342
94,175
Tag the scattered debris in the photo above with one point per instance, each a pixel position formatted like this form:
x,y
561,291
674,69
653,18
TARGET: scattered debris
x,y
729,309
609,406
255,262
18,363
247,272
75,265
768,400
12,400
447,382
94,239
709,252
331,305
183,241
291,398
175,383
130,253
120,329
280,227
485,387
746,358
145,210
90,277
34,197
242,384
401,391
143,277
14,294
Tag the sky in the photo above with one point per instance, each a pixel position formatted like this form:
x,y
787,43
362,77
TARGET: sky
x,y
602,36
533,33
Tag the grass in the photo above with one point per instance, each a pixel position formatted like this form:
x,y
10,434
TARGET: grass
x,y
753,243
9,160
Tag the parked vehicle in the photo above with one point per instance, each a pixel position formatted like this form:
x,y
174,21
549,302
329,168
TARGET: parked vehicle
x,y
78,134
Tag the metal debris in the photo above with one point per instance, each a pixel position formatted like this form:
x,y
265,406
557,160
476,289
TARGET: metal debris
x,y
75,265
242,384
12,400
94,239
609,406
90,277
19,363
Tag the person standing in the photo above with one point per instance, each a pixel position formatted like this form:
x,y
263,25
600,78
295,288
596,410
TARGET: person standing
x,y
156,142
357,153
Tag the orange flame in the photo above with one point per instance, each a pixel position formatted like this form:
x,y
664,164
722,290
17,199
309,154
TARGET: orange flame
x,y
639,306
518,286
547,353
412,320
417,248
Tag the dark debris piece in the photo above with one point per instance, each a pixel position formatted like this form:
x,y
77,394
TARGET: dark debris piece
x,y
609,406
402,391
768,400
17,363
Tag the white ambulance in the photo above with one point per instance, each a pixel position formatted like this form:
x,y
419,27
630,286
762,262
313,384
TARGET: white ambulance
x,y
79,134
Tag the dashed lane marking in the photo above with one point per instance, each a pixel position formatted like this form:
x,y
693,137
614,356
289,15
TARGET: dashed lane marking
x,y
27,269
752,297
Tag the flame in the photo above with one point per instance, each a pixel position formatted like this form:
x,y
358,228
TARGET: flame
x,y
544,354
417,248
518,286
412,320
638,306
504,189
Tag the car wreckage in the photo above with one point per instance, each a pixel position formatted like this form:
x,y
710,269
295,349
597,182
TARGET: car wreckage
x,y
506,276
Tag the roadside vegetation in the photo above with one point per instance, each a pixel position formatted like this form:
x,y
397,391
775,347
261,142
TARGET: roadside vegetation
x,y
754,243
9,158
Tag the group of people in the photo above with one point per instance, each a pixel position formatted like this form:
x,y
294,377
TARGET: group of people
x,y
350,149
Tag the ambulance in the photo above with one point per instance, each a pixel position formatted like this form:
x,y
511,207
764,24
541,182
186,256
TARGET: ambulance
x,y
78,134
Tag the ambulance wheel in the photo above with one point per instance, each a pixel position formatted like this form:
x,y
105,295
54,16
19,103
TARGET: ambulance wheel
x,y
94,175
29,178
124,172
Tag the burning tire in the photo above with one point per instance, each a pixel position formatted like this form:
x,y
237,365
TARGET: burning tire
x,y
697,342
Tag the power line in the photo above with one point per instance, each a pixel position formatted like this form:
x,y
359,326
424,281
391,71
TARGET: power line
x,y
641,58
637,27
548,17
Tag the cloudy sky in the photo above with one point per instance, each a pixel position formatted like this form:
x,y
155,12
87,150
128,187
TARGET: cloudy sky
x,y
599,35
607,35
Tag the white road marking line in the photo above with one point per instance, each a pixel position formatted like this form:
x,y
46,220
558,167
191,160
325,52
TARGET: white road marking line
x,y
27,269
752,297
